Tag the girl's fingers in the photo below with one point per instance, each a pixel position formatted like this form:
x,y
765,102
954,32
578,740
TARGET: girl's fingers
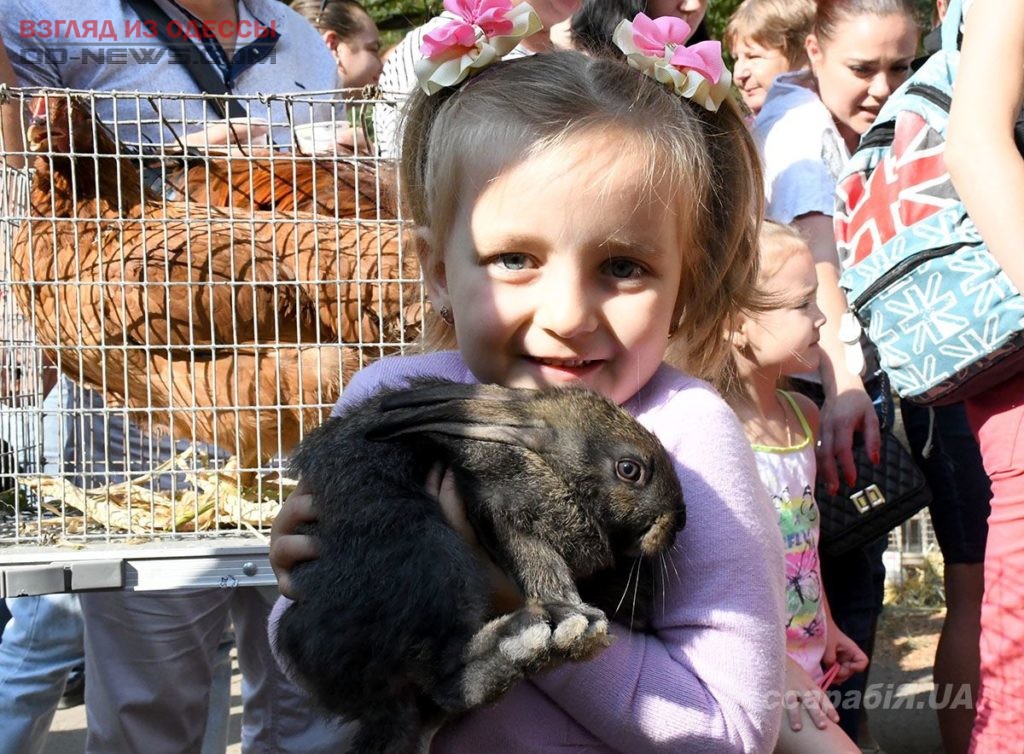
x,y
827,707
451,504
827,462
793,713
285,552
297,509
812,703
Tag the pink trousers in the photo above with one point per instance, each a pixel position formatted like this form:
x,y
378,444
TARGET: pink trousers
x,y
997,417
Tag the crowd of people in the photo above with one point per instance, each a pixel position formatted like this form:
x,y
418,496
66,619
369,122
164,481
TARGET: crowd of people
x,y
583,214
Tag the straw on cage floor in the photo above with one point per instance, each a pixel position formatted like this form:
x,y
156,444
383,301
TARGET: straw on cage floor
x,y
213,499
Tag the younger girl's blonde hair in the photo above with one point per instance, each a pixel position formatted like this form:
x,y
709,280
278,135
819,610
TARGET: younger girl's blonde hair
x,y
777,244
521,108
774,24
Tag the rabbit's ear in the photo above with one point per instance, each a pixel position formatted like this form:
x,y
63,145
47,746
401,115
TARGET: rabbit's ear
x,y
436,392
472,412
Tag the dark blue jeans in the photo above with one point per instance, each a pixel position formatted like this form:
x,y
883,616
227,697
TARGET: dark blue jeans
x,y
961,490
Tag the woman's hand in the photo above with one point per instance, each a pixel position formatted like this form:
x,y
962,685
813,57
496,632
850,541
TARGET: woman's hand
x,y
842,415
288,548
843,651
505,595
803,695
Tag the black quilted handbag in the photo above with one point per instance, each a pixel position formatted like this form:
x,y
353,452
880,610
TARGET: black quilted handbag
x,y
883,497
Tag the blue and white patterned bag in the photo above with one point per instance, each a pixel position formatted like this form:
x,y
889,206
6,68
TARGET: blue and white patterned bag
x,y
944,317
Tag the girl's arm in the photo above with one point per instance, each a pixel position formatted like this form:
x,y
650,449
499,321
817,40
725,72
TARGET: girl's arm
x,y
804,701
986,168
841,649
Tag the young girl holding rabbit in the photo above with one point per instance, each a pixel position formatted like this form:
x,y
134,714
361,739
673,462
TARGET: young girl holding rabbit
x,y
781,426
577,222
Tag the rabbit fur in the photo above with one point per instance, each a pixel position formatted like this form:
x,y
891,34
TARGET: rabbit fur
x,y
391,626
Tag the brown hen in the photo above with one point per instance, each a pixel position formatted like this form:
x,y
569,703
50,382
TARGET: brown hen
x,y
233,332
347,187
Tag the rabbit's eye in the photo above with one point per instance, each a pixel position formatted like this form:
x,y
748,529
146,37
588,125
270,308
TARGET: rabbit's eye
x,y
629,470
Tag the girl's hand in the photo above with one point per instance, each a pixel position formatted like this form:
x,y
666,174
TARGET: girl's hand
x,y
842,415
803,695
841,650
288,548
505,595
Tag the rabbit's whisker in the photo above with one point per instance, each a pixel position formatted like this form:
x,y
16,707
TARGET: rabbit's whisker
x,y
625,590
671,561
664,568
636,592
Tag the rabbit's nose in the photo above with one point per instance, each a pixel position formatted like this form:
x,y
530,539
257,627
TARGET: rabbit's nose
x,y
661,535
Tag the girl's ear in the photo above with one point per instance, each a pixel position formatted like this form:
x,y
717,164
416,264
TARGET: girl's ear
x,y
813,49
432,264
738,333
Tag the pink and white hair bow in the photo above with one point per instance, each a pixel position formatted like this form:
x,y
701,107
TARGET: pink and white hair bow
x,y
655,46
470,35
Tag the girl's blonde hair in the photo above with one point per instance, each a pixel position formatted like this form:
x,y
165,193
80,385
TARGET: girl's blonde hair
x,y
520,108
776,244
774,24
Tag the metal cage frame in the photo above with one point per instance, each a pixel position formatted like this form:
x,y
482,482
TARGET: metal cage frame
x,y
181,298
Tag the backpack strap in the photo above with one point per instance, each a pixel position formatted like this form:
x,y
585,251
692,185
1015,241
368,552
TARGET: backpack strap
x,y
202,72
951,25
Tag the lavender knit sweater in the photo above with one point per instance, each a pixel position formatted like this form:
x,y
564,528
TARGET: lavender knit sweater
x,y
706,680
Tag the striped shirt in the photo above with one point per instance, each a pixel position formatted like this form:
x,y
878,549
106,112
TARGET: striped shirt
x,y
397,82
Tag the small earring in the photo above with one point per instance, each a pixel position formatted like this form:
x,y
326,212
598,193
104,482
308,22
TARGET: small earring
x,y
446,315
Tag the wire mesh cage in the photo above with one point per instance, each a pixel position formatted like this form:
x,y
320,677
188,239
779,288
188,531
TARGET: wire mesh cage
x,y
182,296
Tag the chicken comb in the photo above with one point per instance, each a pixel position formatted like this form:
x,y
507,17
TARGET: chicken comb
x,y
38,108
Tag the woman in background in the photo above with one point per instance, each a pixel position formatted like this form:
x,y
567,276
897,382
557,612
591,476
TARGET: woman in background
x,y
766,38
350,34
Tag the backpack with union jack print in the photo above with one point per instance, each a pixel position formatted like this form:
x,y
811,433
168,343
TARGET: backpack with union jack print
x,y
944,317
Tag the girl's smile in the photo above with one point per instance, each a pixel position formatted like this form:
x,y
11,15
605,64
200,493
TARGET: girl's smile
x,y
584,291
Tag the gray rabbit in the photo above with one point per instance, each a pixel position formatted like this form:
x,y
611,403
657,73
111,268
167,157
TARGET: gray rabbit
x,y
561,486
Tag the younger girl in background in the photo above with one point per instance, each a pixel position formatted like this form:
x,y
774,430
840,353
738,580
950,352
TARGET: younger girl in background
x,y
859,52
781,426
577,220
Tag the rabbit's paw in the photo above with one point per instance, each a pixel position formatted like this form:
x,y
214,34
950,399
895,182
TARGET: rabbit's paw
x,y
503,651
521,637
579,631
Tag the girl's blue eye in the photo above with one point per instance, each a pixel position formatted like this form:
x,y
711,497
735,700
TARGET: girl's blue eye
x,y
624,269
512,261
